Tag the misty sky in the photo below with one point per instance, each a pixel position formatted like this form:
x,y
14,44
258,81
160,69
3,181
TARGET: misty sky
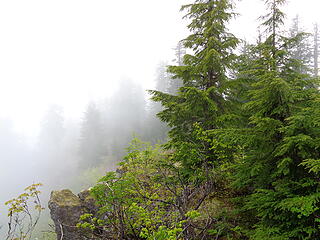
x,y
69,51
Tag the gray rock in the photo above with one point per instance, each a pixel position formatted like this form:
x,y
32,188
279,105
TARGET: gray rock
x,y
88,202
65,209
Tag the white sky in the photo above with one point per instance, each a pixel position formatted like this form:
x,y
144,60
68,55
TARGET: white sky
x,y
68,51
246,25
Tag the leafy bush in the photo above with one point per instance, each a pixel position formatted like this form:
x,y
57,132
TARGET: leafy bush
x,y
24,213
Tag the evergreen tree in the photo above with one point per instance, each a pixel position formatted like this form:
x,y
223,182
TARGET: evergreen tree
x,y
163,78
156,129
125,115
301,50
52,130
179,53
49,160
278,190
200,105
176,83
92,148
203,99
316,51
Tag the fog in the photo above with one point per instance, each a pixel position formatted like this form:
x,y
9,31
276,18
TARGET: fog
x,y
73,76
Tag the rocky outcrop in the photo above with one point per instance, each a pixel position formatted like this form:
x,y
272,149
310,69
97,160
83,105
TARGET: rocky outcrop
x,y
66,208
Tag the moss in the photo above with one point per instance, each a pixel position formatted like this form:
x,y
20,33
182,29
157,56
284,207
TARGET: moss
x,y
65,198
85,195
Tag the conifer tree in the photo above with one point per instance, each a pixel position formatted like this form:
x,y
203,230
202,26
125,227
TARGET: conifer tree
x,y
158,130
302,49
176,83
92,147
279,191
199,105
203,97
52,130
127,102
316,51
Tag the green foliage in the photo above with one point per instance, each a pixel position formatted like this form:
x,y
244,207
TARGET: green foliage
x,y
149,199
134,201
243,158
282,137
201,102
24,213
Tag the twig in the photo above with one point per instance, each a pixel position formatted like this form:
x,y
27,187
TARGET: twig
x,y
61,230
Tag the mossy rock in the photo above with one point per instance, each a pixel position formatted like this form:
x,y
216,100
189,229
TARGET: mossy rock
x,y
66,209
65,198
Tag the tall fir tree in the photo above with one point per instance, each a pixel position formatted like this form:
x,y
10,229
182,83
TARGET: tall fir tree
x,y
125,115
203,97
91,146
176,83
52,130
316,51
157,130
278,190
302,48
199,105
